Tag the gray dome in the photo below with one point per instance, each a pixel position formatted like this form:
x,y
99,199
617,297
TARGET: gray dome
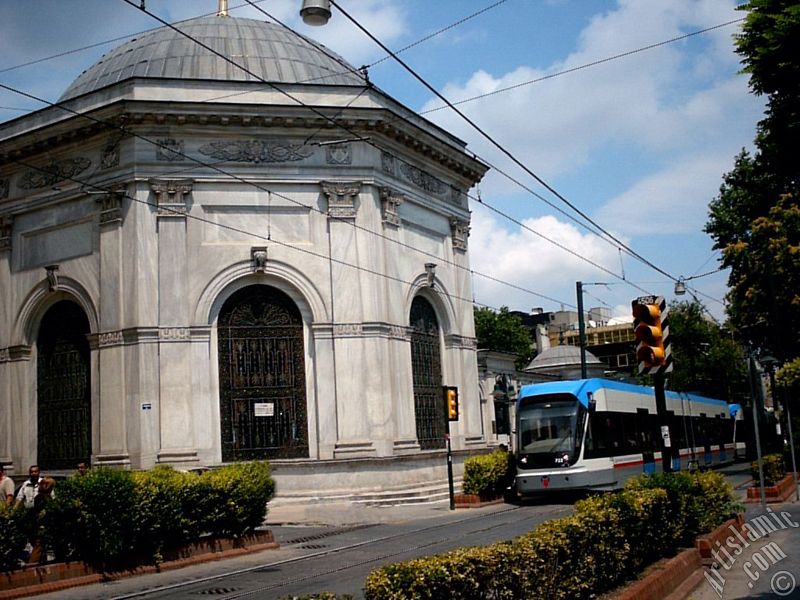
x,y
271,51
561,357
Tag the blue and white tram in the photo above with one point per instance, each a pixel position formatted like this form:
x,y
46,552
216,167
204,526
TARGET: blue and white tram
x,y
596,433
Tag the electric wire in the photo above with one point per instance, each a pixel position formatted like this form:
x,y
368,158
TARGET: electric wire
x,y
260,187
253,4
99,188
497,145
594,264
106,42
593,63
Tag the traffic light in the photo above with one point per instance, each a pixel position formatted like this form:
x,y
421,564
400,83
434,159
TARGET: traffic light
x,y
451,402
647,327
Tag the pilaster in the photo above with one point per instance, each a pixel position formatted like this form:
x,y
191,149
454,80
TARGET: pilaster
x,y
177,433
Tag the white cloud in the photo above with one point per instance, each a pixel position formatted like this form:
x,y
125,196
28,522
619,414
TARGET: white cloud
x,y
658,101
531,262
671,201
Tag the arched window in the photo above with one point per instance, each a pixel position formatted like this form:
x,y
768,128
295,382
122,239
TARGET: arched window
x,y
262,376
63,392
426,366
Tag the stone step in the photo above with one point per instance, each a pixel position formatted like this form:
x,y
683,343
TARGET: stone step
x,y
430,492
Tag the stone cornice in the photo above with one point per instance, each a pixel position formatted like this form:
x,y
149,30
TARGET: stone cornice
x,y
132,114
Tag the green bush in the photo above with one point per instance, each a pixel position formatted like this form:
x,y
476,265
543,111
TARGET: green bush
x,y
606,540
774,469
113,517
12,536
487,474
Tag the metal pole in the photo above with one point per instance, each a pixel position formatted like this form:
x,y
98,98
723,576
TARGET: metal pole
x,y
450,474
791,443
750,366
661,411
581,328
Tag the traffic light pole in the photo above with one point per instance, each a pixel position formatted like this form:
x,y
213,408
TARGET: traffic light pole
x,y
450,473
661,411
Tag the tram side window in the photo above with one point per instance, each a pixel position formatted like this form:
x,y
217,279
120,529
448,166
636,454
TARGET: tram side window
x,y
602,439
632,439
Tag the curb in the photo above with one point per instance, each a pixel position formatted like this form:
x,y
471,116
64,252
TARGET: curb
x,y
475,501
665,578
43,579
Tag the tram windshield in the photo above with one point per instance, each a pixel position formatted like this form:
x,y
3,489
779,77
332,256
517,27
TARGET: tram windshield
x,y
549,429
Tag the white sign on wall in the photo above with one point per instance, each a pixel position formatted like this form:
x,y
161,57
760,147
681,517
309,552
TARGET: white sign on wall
x,y
264,409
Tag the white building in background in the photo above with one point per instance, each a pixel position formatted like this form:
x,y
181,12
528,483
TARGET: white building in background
x,y
205,268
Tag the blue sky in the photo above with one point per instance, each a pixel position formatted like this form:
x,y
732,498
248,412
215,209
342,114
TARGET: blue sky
x,y
639,143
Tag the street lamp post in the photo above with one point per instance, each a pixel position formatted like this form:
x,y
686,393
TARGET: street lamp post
x,y
581,329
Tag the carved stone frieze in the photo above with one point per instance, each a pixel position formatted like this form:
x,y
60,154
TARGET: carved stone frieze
x,y
387,163
170,150
256,151
390,201
460,233
458,197
339,154
171,196
348,329
109,158
53,172
5,187
399,332
174,334
6,230
110,338
460,341
341,198
422,179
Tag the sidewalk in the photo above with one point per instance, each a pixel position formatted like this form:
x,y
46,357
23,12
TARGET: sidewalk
x,y
768,568
339,514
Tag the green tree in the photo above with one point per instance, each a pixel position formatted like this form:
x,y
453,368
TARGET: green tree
x,y
707,360
503,332
754,219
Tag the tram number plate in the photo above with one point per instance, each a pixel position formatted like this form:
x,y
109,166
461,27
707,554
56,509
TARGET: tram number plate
x,y
264,409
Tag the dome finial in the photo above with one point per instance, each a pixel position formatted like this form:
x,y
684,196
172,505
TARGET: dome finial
x,y
223,8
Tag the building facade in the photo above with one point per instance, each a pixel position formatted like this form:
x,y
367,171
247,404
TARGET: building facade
x,y
198,267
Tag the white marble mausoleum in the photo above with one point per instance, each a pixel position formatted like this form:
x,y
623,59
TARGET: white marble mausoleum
x,y
198,267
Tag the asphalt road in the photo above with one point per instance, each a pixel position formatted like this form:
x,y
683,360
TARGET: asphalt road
x,y
337,558
329,558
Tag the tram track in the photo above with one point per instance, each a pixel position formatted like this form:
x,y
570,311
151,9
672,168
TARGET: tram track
x,y
226,591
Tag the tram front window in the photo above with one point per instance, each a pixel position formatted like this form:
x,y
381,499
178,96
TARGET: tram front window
x,y
548,432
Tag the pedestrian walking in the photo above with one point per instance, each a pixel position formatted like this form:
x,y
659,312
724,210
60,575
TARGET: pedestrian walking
x,y
6,487
30,488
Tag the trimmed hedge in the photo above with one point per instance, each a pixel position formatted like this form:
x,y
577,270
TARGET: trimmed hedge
x,y
487,474
774,469
113,517
605,541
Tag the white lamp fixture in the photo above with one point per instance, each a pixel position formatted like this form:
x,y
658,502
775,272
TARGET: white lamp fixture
x,y
680,287
315,12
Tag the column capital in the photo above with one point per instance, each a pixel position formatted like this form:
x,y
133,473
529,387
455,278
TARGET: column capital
x,y
341,197
171,196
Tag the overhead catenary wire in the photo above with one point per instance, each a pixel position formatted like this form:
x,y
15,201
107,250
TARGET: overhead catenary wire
x,y
253,4
594,264
99,188
213,166
497,145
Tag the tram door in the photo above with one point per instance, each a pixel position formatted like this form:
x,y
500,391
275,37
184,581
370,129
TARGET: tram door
x,y
426,366
63,388
262,376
